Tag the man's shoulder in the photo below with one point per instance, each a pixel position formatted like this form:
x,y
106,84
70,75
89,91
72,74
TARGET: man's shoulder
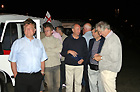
x,y
88,34
37,40
43,39
56,39
92,39
82,38
19,40
64,36
114,37
68,38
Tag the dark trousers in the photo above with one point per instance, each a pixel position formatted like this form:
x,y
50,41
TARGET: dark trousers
x,y
62,75
28,82
62,72
85,74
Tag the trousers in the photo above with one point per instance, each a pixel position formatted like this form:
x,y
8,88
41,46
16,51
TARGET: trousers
x,y
74,75
95,81
25,82
109,80
52,78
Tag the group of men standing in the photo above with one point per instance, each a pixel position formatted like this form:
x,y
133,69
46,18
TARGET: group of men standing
x,y
96,57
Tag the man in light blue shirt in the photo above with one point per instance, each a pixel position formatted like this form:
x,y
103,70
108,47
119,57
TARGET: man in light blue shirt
x,y
87,35
27,59
87,32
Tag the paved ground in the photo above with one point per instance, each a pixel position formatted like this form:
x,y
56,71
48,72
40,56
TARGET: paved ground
x,y
128,79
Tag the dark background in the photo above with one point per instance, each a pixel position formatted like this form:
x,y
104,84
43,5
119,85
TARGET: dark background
x,y
125,24
96,10
100,9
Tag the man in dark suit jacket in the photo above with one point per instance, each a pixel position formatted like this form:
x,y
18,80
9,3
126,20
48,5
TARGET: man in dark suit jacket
x,y
95,46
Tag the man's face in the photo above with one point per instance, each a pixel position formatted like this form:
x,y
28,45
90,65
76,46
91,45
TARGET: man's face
x,y
103,33
57,30
48,31
95,34
76,30
29,30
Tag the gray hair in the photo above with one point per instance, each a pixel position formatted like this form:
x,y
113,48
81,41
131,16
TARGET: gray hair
x,y
103,25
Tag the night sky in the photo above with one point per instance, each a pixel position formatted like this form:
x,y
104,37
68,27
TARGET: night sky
x,y
84,10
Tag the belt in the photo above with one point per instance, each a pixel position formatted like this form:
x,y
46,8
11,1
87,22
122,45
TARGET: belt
x,y
33,73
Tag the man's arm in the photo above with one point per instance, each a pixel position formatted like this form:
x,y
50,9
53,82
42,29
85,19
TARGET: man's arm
x,y
14,68
42,67
57,48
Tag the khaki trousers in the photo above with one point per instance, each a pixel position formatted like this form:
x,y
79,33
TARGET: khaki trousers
x,y
109,80
74,76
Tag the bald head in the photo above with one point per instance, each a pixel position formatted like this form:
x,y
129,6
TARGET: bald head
x,y
76,29
87,27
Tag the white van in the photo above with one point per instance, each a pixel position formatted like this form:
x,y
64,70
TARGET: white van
x,y
11,28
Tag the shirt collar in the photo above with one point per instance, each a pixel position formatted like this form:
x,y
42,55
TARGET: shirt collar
x,y
109,34
89,32
73,37
28,39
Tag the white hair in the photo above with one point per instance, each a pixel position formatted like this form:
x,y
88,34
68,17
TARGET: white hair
x,y
88,26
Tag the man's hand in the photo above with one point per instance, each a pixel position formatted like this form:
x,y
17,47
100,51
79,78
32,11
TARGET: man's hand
x,y
80,61
97,57
42,73
15,74
72,53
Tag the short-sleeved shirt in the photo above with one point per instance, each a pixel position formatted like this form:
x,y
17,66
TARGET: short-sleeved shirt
x,y
28,55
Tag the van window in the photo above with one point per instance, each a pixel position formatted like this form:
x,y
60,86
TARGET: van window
x,y
13,31
10,35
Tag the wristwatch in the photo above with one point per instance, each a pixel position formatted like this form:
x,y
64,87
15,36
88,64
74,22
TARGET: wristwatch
x,y
101,58
42,72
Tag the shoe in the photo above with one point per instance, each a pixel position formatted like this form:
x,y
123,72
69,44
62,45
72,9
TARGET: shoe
x,y
63,86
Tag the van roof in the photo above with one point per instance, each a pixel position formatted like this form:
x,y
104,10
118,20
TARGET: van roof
x,y
4,17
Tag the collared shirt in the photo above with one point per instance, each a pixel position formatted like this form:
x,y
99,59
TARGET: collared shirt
x,y
57,35
28,55
88,36
109,34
